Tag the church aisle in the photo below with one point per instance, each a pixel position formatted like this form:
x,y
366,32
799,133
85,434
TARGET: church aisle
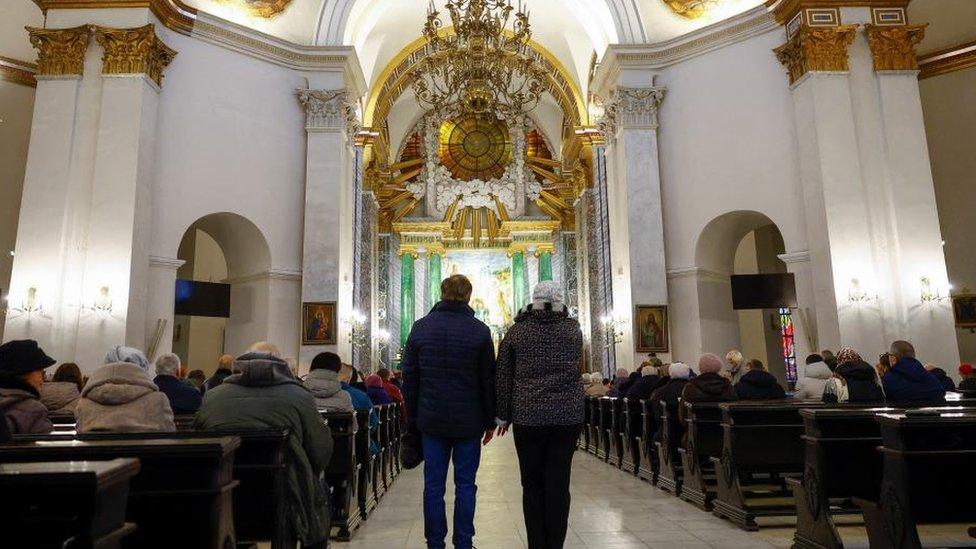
x,y
610,510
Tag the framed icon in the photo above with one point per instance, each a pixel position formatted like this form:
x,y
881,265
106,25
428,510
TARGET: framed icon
x,y
651,328
319,323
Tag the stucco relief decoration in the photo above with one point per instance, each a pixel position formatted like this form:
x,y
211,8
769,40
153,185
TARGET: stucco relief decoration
x,y
329,109
630,107
690,9
893,47
134,51
816,49
60,51
259,8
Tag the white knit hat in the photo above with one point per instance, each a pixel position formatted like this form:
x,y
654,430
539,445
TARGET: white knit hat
x,y
547,291
679,370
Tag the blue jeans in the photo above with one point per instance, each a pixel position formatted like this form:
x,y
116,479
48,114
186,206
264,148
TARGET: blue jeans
x,y
437,456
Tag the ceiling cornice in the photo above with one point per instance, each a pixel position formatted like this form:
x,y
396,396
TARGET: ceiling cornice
x,y
955,58
18,72
784,10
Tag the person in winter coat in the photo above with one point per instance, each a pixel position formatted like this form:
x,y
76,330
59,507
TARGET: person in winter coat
x,y
811,386
376,392
62,393
22,365
968,382
391,389
758,384
183,398
709,386
596,388
449,387
947,383
619,381
621,389
360,401
907,380
645,385
539,393
854,380
224,369
679,375
266,395
120,396
323,382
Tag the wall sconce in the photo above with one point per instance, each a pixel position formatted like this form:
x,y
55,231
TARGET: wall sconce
x,y
856,294
31,303
358,335
614,328
930,294
103,302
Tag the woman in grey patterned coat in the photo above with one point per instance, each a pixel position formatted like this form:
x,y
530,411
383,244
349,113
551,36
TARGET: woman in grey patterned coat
x,y
538,371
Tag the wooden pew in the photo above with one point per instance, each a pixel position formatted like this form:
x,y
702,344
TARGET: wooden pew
x,y
381,485
342,473
702,441
192,475
615,456
670,476
606,422
366,465
649,464
66,504
392,423
584,441
630,418
927,479
594,427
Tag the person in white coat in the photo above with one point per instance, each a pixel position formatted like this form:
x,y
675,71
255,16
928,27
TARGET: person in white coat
x,y
811,385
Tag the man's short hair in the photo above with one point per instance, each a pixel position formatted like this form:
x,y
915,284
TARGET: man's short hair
x,y
167,365
756,364
326,361
902,349
814,358
265,347
226,361
384,374
456,288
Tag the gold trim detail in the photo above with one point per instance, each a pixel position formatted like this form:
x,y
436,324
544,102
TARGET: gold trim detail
x,y
690,9
785,10
948,60
60,51
893,46
134,51
18,72
259,8
816,49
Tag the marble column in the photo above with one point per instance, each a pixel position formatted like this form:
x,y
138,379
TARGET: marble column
x,y
531,269
519,294
433,277
162,296
420,284
407,294
545,265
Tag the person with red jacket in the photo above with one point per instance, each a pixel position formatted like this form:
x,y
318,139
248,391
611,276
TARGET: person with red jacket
x,y
393,391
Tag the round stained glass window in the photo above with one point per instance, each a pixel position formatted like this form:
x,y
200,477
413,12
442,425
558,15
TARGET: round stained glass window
x,y
476,147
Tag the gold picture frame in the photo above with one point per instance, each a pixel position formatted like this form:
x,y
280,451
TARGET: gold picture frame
x,y
651,334
319,323
964,310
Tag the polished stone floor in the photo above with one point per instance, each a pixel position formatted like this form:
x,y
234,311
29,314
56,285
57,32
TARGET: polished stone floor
x,y
610,510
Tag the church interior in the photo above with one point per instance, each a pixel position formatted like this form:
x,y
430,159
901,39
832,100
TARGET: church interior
x,y
762,180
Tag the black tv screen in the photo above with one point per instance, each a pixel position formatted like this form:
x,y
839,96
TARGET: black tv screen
x,y
195,298
763,291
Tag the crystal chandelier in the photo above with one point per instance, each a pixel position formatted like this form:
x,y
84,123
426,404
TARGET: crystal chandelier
x,y
486,65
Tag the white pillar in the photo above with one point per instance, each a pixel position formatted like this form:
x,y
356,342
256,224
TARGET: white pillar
x,y
162,297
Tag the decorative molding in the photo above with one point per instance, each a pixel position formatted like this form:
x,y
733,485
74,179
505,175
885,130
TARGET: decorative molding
x,y
631,108
165,262
60,51
270,274
948,60
816,49
18,72
889,16
699,273
421,227
786,10
893,46
789,258
329,110
134,51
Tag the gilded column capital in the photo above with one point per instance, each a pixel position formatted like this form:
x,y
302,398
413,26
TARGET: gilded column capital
x,y
893,46
630,108
134,51
60,51
814,49
329,110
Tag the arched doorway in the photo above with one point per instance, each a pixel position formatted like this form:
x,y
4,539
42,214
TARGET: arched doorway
x,y
223,248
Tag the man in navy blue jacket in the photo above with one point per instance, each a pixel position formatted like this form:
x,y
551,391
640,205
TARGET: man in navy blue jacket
x,y
449,387
183,397
907,380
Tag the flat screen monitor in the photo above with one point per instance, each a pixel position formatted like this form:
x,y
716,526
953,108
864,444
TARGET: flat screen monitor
x,y
763,291
194,298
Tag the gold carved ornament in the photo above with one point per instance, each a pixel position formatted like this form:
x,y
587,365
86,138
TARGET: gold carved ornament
x,y
816,49
259,8
893,47
134,51
60,51
690,9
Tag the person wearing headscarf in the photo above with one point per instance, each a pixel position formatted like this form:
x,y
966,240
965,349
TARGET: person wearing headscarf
x,y
120,396
679,374
596,388
709,385
814,380
538,392
22,364
854,380
376,391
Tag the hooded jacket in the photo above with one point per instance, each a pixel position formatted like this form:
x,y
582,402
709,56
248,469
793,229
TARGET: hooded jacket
x,y
539,368
860,384
22,408
121,397
759,385
709,387
265,395
60,395
944,379
908,381
814,381
324,386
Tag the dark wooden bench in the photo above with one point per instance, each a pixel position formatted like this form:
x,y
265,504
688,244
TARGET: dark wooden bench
x,y
649,464
702,441
366,465
606,422
670,476
594,428
615,455
342,474
74,504
927,476
192,475
630,418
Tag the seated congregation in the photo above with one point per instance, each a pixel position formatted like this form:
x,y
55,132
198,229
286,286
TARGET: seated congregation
x,y
873,442
252,454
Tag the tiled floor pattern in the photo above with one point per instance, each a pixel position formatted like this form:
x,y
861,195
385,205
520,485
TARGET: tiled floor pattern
x,y
610,510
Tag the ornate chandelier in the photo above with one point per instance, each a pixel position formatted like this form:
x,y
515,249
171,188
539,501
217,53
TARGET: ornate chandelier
x,y
486,65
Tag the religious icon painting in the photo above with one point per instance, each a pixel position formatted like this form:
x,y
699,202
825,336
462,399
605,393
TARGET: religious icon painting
x,y
319,323
651,329
964,310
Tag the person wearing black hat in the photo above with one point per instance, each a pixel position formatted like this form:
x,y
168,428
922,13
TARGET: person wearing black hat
x,y
22,365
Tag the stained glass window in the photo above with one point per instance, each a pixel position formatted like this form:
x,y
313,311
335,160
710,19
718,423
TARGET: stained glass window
x,y
789,345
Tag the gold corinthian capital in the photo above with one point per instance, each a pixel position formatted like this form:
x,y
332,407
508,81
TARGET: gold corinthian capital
x,y
60,51
893,47
134,51
816,49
